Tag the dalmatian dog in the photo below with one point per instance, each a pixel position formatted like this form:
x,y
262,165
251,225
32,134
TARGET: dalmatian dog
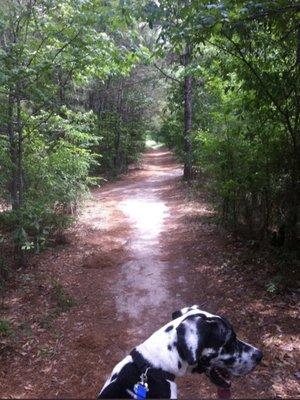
x,y
195,341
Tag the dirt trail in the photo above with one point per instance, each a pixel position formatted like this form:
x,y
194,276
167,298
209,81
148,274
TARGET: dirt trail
x,y
140,250
143,286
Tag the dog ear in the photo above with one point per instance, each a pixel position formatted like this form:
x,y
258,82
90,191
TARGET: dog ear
x,y
213,333
191,336
185,350
195,334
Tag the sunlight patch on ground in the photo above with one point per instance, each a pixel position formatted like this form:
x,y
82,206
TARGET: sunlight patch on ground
x,y
147,215
152,144
143,284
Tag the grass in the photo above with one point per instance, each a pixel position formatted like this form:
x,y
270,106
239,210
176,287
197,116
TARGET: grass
x,y
63,300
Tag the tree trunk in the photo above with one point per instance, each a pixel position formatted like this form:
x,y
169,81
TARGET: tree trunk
x,y
117,157
20,185
13,187
117,151
187,172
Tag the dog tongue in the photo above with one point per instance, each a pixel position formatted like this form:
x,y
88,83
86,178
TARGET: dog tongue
x,y
224,393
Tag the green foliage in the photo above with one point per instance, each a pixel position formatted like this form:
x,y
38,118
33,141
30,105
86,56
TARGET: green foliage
x,y
5,327
57,160
125,117
246,83
51,53
62,299
273,285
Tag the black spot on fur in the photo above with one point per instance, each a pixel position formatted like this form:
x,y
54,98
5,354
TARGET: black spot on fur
x,y
179,365
169,328
176,314
205,360
169,347
139,360
246,349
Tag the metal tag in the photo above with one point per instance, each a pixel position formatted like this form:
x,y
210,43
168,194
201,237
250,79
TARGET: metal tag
x,y
141,389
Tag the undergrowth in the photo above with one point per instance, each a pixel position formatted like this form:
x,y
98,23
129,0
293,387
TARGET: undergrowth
x,y
5,327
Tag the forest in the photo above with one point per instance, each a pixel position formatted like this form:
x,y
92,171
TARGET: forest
x,y
86,86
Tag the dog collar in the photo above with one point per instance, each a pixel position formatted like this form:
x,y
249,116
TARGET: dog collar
x,y
144,366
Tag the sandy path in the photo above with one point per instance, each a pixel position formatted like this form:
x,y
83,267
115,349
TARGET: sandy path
x,y
140,250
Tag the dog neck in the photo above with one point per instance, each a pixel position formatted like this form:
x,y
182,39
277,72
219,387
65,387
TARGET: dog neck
x,y
160,351
146,368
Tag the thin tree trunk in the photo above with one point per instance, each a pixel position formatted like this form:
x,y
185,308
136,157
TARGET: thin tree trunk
x,y
62,99
117,150
13,152
19,150
117,158
187,172
15,137
20,185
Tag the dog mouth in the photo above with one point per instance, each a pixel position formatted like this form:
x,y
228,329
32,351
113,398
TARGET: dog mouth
x,y
220,377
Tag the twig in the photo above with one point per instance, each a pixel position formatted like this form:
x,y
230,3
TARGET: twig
x,y
165,74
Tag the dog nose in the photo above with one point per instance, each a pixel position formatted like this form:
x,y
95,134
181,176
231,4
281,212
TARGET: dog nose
x,y
257,356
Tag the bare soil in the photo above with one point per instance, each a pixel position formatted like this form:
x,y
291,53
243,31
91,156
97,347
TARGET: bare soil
x,y
141,249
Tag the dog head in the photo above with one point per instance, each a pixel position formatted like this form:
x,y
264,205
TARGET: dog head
x,y
209,344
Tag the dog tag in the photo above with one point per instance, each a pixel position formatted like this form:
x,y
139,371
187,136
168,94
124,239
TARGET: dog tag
x,y
141,389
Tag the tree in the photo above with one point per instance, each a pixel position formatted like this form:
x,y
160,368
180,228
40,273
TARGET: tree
x,y
50,48
246,109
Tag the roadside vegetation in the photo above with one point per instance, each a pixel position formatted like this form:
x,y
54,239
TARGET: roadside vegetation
x,y
233,112
74,111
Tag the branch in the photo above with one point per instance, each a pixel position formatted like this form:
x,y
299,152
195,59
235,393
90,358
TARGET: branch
x,y
66,45
50,100
41,44
165,74
261,81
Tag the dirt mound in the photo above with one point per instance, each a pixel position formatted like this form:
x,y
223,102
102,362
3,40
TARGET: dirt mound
x,y
105,260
